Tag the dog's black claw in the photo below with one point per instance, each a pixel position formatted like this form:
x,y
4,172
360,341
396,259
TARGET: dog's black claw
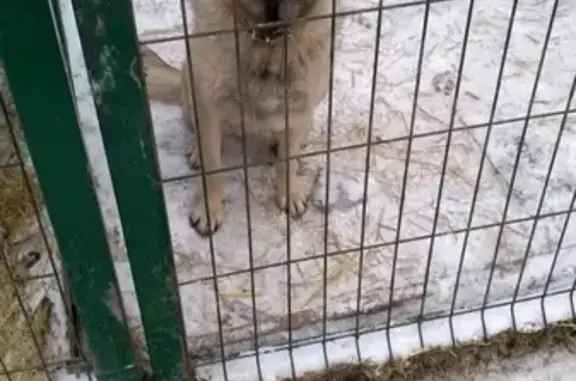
x,y
31,259
204,234
274,150
194,165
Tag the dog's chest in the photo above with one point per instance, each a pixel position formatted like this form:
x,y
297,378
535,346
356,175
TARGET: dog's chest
x,y
270,99
271,85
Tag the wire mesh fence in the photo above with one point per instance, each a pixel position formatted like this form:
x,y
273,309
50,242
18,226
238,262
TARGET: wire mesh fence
x,y
434,183
34,339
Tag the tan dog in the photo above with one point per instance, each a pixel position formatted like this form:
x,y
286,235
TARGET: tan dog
x,y
264,71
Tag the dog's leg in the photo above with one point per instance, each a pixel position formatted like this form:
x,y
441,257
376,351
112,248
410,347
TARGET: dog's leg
x,y
188,115
211,136
297,203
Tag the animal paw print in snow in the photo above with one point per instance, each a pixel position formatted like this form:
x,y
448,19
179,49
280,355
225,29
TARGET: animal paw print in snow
x,y
443,82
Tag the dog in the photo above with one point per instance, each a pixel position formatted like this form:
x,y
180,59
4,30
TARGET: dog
x,y
281,47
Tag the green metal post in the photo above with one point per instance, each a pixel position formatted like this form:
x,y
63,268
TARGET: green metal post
x,y
109,42
36,75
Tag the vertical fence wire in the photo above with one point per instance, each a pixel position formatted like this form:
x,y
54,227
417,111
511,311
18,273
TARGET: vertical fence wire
x,y
327,180
287,158
515,170
553,266
366,175
58,21
566,221
572,303
535,221
402,202
5,370
214,268
240,84
444,168
483,157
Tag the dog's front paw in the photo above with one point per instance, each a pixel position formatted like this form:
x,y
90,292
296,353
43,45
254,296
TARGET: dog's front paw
x,y
295,205
199,217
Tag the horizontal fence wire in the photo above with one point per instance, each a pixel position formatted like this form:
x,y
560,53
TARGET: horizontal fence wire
x,y
429,318
318,339
379,142
456,231
338,14
9,166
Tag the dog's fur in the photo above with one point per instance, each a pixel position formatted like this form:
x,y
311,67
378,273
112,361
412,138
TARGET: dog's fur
x,y
264,72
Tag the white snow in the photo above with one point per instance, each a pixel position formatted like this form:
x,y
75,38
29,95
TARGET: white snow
x,y
401,31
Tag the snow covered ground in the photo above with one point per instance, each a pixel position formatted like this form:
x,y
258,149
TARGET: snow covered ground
x,y
401,36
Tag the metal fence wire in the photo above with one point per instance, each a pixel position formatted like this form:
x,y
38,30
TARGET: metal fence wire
x,y
438,176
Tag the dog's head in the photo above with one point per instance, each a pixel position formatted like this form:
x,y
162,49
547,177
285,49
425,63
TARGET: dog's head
x,y
274,11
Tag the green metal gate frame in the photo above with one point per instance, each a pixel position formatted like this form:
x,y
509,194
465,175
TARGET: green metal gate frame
x,y
34,59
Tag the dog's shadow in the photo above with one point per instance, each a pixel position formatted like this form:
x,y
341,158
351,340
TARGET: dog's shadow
x,y
258,151
261,154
